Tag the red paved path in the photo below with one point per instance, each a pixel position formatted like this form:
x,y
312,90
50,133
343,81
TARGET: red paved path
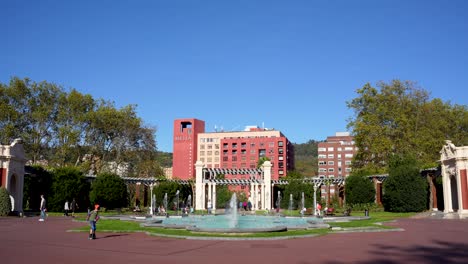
x,y
423,241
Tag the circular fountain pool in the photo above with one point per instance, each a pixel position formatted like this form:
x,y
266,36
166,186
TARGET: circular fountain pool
x,y
240,224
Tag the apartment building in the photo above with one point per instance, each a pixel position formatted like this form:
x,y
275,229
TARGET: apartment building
x,y
233,150
335,155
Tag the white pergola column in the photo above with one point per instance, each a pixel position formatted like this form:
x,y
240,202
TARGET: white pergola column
x,y
255,195
213,196
199,187
266,191
315,199
210,193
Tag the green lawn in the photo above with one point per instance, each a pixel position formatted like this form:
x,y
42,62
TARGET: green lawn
x,y
107,225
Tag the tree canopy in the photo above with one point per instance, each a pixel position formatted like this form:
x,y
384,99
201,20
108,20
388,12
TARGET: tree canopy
x,y
68,128
399,118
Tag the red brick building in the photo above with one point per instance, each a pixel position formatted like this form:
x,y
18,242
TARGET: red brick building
x,y
185,147
233,150
335,155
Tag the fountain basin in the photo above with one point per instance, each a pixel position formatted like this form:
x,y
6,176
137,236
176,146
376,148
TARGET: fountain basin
x,y
237,230
243,223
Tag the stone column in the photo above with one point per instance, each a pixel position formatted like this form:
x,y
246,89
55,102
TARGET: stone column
x,y
210,193
213,196
253,193
199,187
266,167
315,199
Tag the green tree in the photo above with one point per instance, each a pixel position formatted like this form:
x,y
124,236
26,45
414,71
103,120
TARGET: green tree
x,y
296,187
223,194
109,191
5,202
67,183
261,160
398,118
404,189
359,190
71,131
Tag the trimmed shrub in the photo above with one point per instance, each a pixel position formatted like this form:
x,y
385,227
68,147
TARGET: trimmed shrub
x,y
5,202
296,187
404,190
109,191
359,190
68,183
37,182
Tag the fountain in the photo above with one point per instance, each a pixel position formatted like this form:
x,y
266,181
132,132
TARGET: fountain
x,y
232,222
302,207
177,202
290,207
188,203
153,205
278,202
232,215
165,202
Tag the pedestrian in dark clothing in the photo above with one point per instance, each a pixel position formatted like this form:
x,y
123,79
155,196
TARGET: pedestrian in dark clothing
x,y
74,207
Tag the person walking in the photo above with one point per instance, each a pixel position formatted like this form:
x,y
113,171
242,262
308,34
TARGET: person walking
x,y
74,207
43,208
93,217
319,209
66,208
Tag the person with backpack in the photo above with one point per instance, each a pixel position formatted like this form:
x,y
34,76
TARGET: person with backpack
x,y
93,217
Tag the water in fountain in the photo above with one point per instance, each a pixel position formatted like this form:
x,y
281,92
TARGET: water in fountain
x,y
290,207
232,216
302,204
188,203
302,201
153,204
177,202
165,202
278,203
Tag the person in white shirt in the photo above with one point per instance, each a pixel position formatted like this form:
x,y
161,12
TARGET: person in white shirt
x,y
43,208
66,208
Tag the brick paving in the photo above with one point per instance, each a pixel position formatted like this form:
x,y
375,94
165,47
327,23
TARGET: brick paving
x,y
25,240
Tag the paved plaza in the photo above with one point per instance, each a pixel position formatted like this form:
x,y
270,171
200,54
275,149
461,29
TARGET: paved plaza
x,y
25,240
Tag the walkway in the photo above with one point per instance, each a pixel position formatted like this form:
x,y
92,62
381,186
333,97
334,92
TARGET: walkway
x,y
423,241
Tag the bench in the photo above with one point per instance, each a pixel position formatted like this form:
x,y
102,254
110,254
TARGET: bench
x,y
329,212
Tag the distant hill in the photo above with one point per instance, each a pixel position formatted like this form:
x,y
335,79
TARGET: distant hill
x,y
305,155
164,159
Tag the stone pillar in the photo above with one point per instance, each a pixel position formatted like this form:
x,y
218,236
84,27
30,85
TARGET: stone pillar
x,y
378,191
266,167
463,191
433,193
454,161
199,187
210,192
213,196
315,199
253,194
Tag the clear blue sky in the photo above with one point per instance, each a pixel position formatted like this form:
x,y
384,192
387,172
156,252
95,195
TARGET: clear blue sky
x,y
290,65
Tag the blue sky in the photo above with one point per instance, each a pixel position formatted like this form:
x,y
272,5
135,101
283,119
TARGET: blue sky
x,y
290,65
